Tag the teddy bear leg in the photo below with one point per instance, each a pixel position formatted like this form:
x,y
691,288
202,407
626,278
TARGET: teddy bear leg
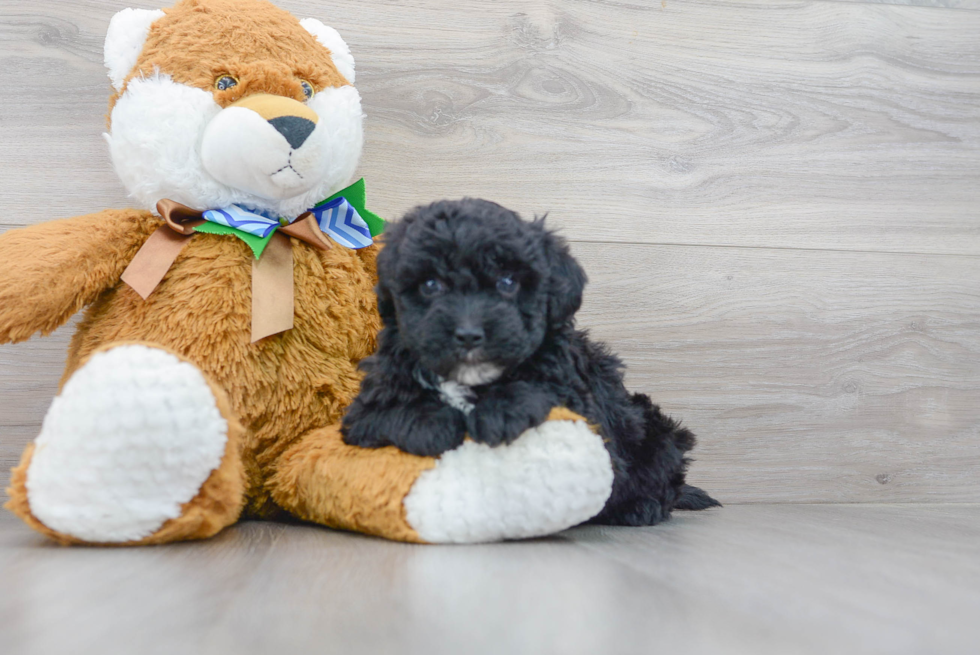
x,y
138,448
552,477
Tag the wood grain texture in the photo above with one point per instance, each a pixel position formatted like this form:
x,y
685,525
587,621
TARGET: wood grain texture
x,y
757,580
793,124
809,376
814,125
948,4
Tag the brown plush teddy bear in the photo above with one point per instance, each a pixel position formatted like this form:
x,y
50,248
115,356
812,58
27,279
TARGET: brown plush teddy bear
x,y
227,315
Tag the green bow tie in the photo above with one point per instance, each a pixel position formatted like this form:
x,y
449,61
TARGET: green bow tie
x,y
354,195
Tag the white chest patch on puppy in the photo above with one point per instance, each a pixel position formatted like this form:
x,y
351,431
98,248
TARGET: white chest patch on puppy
x,y
456,395
457,392
476,374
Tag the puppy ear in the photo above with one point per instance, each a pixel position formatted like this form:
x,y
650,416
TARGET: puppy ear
x,y
386,305
566,279
385,263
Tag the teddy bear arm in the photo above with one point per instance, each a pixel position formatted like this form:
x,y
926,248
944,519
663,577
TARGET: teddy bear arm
x,y
323,480
554,476
50,271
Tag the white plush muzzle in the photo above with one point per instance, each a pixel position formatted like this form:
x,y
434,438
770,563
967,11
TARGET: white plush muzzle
x,y
173,141
243,150
170,140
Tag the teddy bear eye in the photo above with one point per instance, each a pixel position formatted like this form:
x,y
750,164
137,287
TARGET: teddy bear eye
x,y
308,90
225,82
432,287
507,285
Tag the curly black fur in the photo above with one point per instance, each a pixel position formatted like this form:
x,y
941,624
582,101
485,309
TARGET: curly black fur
x,y
470,293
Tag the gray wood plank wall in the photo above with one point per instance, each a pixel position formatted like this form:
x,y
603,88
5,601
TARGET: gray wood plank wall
x,y
778,204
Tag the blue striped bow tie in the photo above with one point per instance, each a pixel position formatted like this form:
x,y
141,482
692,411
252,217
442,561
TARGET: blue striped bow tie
x,y
337,219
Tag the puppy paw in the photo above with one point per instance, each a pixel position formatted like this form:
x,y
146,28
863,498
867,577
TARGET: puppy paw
x,y
433,433
428,430
362,435
505,411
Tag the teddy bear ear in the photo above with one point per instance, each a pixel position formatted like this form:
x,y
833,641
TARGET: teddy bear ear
x,y
331,39
124,41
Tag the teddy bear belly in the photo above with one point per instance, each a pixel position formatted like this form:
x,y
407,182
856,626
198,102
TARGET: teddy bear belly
x,y
279,387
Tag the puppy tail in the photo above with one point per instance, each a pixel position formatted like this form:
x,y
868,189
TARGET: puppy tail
x,y
664,429
694,498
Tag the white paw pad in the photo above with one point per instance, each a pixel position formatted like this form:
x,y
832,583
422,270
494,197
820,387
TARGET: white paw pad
x,y
552,477
132,437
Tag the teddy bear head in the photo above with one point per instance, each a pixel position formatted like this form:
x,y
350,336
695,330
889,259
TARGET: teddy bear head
x,y
231,102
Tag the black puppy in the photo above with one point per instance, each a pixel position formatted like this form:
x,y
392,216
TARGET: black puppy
x,y
479,338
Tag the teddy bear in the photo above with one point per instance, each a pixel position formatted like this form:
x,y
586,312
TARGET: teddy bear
x,y
225,315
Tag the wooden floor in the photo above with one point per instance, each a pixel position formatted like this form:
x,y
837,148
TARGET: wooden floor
x,y
761,579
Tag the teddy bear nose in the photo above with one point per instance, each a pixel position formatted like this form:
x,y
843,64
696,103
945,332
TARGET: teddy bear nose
x,y
294,128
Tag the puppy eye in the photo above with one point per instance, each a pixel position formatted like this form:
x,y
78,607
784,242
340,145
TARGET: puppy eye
x,y
507,285
308,90
432,288
225,82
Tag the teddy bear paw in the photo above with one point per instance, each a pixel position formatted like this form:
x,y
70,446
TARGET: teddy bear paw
x,y
131,438
552,477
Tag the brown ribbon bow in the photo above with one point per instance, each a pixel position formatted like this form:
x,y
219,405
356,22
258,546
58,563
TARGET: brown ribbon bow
x,y
272,273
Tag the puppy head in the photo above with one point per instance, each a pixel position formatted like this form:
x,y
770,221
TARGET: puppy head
x,y
472,290
221,102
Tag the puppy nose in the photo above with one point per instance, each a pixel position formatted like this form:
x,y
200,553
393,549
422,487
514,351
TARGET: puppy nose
x,y
295,129
468,337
